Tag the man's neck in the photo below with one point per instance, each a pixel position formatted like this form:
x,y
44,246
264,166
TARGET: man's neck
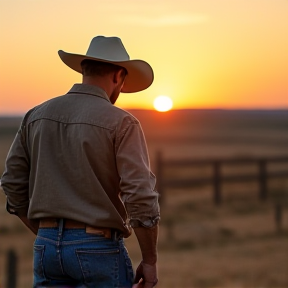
x,y
102,82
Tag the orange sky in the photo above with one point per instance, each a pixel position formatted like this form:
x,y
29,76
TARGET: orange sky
x,y
205,54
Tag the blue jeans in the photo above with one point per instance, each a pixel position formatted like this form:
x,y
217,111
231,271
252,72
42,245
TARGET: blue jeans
x,y
74,258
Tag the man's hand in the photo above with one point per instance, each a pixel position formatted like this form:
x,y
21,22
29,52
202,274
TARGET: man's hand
x,y
146,273
146,276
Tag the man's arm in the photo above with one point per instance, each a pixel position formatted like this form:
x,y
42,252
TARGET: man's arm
x,y
147,270
15,179
137,185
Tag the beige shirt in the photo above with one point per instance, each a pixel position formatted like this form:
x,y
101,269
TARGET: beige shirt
x,y
79,157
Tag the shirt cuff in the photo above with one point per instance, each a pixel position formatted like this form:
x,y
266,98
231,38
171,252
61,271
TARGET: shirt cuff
x,y
19,211
147,222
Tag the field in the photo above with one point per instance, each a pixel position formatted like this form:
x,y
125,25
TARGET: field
x,y
237,244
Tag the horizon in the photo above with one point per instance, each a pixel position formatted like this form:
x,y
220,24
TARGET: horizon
x,y
4,115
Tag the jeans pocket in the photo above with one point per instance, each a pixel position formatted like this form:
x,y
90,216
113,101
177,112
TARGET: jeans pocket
x,y
100,267
38,270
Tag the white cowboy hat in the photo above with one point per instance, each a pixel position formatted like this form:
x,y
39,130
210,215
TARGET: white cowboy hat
x,y
110,49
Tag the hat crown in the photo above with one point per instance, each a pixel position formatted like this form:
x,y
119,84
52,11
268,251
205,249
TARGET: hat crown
x,y
108,48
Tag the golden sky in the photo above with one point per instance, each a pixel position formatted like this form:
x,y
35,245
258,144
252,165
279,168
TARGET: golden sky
x,y
205,54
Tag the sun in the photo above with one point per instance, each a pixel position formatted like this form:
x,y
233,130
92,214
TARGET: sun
x,y
163,103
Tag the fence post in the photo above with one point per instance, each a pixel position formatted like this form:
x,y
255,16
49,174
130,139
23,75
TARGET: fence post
x,y
262,179
11,269
278,217
159,175
217,182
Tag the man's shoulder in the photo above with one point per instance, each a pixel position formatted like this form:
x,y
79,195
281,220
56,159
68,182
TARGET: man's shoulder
x,y
124,115
35,111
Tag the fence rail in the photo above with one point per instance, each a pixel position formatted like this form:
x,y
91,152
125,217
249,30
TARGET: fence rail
x,y
217,177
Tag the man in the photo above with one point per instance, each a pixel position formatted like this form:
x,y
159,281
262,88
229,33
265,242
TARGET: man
x,y
78,175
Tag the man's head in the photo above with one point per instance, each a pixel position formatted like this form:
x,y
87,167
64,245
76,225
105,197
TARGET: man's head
x,y
97,68
108,76
139,74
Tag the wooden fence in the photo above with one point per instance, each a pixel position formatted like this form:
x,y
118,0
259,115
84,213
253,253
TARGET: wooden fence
x,y
217,177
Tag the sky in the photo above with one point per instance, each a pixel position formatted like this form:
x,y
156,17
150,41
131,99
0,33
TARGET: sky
x,y
230,54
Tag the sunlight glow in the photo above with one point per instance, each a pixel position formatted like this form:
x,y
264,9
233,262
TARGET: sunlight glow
x,y
163,103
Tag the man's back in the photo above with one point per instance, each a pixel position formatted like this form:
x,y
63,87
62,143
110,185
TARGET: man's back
x,y
72,141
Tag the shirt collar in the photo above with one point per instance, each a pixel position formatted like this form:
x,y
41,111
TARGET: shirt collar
x,y
90,90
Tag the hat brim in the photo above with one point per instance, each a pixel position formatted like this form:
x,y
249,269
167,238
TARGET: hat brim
x,y
140,74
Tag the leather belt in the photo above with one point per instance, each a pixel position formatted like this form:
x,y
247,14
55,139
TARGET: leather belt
x,y
73,224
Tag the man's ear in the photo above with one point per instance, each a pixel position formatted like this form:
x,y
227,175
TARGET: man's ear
x,y
115,80
117,76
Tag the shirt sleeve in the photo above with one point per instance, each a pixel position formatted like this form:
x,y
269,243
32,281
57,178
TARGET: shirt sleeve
x,y
15,179
137,182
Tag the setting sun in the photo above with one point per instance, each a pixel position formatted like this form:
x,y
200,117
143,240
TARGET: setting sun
x,y
163,103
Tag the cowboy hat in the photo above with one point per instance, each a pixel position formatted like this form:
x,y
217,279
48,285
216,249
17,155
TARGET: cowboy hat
x,y
111,50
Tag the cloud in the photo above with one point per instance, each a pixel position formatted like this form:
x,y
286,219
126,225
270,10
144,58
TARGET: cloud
x,y
168,20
